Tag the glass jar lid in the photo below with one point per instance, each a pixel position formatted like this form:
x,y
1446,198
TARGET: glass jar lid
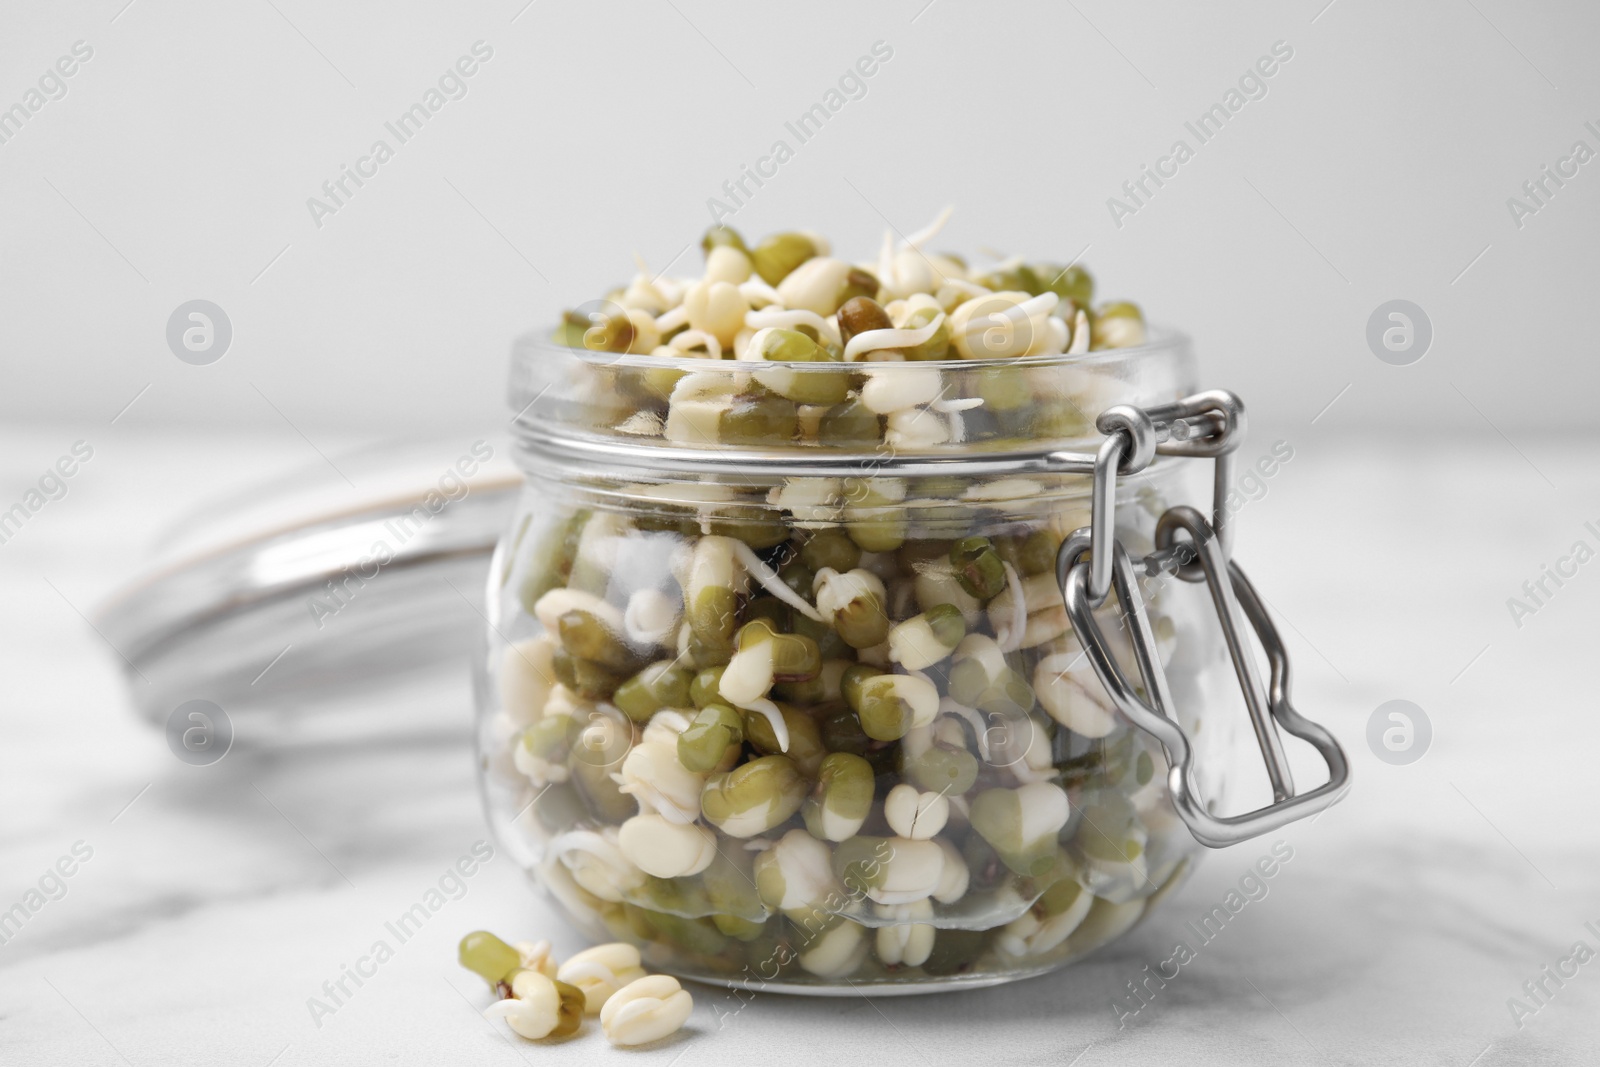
x,y
312,592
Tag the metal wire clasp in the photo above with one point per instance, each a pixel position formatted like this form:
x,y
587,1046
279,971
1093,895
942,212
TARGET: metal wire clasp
x,y
1092,563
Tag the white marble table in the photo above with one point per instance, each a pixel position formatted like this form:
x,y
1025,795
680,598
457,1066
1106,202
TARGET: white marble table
x,y
218,900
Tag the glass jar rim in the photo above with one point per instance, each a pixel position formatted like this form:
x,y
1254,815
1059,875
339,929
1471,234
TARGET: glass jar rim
x,y
577,409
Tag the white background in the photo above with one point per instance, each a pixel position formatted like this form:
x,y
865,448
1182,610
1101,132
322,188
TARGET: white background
x,y
1377,167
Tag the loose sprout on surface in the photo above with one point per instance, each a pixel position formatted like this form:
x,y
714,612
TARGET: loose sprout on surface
x,y
541,999
823,729
488,957
539,1007
646,1009
600,971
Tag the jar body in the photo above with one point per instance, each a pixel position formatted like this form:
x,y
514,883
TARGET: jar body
x,y
812,734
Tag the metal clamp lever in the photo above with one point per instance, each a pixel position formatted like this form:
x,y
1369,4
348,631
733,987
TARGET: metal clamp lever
x,y
1204,554
1206,425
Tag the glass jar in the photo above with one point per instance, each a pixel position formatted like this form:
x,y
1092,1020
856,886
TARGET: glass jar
x,y
806,730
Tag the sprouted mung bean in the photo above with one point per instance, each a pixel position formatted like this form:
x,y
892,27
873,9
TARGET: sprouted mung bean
x,y
825,736
540,999
645,1010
